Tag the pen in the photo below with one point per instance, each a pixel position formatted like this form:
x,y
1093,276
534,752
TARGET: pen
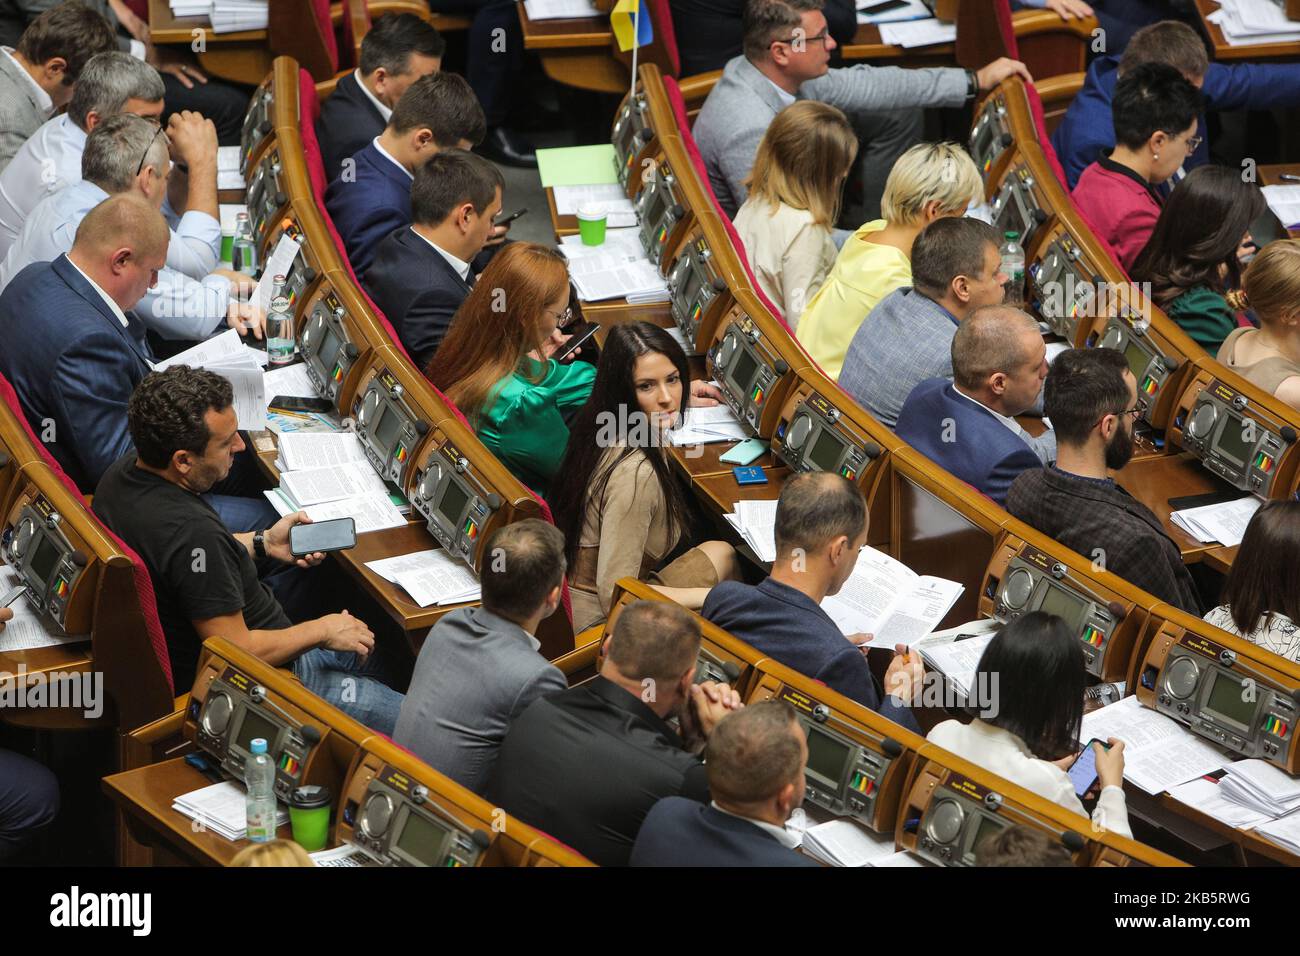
x,y
1289,177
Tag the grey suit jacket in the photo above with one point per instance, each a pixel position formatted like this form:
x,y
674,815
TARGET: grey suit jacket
x,y
744,101
20,113
476,672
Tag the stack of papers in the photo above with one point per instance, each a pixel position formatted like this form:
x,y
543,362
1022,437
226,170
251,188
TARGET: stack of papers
x,y
1159,753
886,598
619,211
345,855
230,16
317,451
291,381
1249,22
228,172
1261,787
430,577
327,476
625,241
221,809
703,426
227,356
957,657
1206,795
1284,201
845,843
190,8
756,522
560,9
611,275
1225,523
916,33
29,629
1285,832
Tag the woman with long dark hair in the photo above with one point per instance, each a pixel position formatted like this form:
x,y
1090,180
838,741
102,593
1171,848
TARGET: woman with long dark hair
x,y
1192,258
1261,598
622,510
1031,680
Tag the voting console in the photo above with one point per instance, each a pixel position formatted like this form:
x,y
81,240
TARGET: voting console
x,y
752,357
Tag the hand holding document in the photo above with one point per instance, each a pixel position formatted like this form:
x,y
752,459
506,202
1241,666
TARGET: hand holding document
x,y
1225,522
1159,753
430,577
888,599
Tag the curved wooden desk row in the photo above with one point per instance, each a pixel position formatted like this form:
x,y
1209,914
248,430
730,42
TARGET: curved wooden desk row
x,y
399,809
887,778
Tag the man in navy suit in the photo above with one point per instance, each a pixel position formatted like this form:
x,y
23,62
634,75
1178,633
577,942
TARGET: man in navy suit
x,y
968,425
399,49
821,526
422,272
372,195
755,763
71,352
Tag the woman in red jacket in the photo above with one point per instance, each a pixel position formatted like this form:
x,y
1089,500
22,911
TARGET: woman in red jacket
x,y
1155,110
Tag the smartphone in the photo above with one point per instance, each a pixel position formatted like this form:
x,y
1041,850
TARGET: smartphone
x,y
874,8
1083,772
745,453
575,343
512,217
13,595
296,403
337,534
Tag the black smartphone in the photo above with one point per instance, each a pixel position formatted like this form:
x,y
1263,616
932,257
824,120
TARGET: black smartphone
x,y
512,217
337,534
1083,772
577,342
874,8
295,403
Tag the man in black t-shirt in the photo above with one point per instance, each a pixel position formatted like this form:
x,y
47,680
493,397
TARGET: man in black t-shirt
x,y
186,434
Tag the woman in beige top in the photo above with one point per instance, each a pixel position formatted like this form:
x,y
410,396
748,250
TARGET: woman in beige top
x,y
794,200
622,510
1270,355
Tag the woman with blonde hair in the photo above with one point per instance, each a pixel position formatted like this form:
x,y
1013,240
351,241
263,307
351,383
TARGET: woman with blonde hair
x,y
1270,355
495,364
928,182
794,200
274,853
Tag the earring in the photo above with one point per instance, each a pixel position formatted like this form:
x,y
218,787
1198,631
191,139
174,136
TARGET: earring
x,y
1155,155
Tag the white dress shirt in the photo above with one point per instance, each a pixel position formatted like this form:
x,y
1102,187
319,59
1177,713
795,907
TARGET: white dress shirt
x,y
117,310
783,836
42,98
460,265
389,156
1003,753
181,306
47,162
384,111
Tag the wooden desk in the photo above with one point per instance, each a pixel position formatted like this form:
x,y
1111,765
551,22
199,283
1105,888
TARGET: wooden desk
x,y
610,312
868,46
1153,481
701,461
145,798
241,57
576,52
1247,842
1257,51
36,665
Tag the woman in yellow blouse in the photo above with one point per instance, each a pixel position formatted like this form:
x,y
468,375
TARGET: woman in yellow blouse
x,y
495,363
621,507
929,181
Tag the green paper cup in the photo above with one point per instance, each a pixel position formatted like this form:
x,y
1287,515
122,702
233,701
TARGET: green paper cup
x,y
591,225
309,816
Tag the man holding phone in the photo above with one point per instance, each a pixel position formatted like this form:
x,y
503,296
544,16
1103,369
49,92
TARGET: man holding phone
x,y
206,581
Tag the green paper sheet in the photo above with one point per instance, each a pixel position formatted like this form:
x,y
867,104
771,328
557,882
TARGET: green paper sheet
x,y
577,165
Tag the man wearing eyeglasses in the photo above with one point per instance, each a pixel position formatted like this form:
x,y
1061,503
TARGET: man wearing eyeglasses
x,y
1091,397
787,50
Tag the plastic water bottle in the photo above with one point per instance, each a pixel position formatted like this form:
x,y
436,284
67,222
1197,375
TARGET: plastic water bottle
x,y
259,777
279,327
243,252
1013,267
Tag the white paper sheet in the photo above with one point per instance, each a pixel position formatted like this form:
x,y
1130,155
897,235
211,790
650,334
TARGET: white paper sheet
x,y
887,599
290,381
301,450
1207,796
1159,753
918,33
1285,203
559,9
286,250
430,577
29,628
1225,523
314,486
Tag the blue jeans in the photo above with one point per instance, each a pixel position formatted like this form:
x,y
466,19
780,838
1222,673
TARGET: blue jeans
x,y
356,687
242,514
29,800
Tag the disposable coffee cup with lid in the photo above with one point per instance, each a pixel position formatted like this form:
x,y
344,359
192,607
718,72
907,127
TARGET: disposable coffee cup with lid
x,y
591,224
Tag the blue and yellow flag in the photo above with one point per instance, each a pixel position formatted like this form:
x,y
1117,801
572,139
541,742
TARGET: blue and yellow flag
x,y
625,22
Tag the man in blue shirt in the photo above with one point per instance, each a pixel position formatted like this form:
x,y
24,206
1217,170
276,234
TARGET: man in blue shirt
x,y
1087,129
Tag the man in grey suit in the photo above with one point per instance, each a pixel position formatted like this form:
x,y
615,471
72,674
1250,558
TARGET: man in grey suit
x,y
479,667
38,77
786,58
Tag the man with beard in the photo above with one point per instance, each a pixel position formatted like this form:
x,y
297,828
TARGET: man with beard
x,y
186,434
1091,398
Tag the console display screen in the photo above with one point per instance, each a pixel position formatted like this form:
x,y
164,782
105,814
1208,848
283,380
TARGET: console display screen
x,y
827,756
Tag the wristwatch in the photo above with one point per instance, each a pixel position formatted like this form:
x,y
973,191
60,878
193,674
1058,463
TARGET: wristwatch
x,y
972,85
259,544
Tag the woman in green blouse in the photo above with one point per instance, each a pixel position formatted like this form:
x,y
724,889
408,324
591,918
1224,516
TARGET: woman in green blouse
x,y
1192,259
495,363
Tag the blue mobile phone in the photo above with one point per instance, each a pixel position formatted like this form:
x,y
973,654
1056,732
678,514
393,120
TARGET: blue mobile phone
x,y
750,476
1083,772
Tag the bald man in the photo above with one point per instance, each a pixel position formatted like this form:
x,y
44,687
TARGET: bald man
x,y
71,352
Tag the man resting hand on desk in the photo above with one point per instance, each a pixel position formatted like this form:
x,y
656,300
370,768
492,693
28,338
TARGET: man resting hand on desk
x,y
186,434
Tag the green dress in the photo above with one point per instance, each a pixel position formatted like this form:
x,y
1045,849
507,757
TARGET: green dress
x,y
524,426
1205,316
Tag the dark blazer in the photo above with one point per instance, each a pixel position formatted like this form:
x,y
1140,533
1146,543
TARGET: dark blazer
x,y
680,832
348,122
417,289
72,364
367,210
776,619
964,437
1104,522
586,765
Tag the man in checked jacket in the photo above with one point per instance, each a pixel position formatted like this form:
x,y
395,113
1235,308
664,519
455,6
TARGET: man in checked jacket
x,y
1091,397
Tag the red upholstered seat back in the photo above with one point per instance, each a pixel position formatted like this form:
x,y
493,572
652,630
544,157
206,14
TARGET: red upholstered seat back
x,y
321,10
1044,140
662,18
140,574
308,114
678,103
1002,10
